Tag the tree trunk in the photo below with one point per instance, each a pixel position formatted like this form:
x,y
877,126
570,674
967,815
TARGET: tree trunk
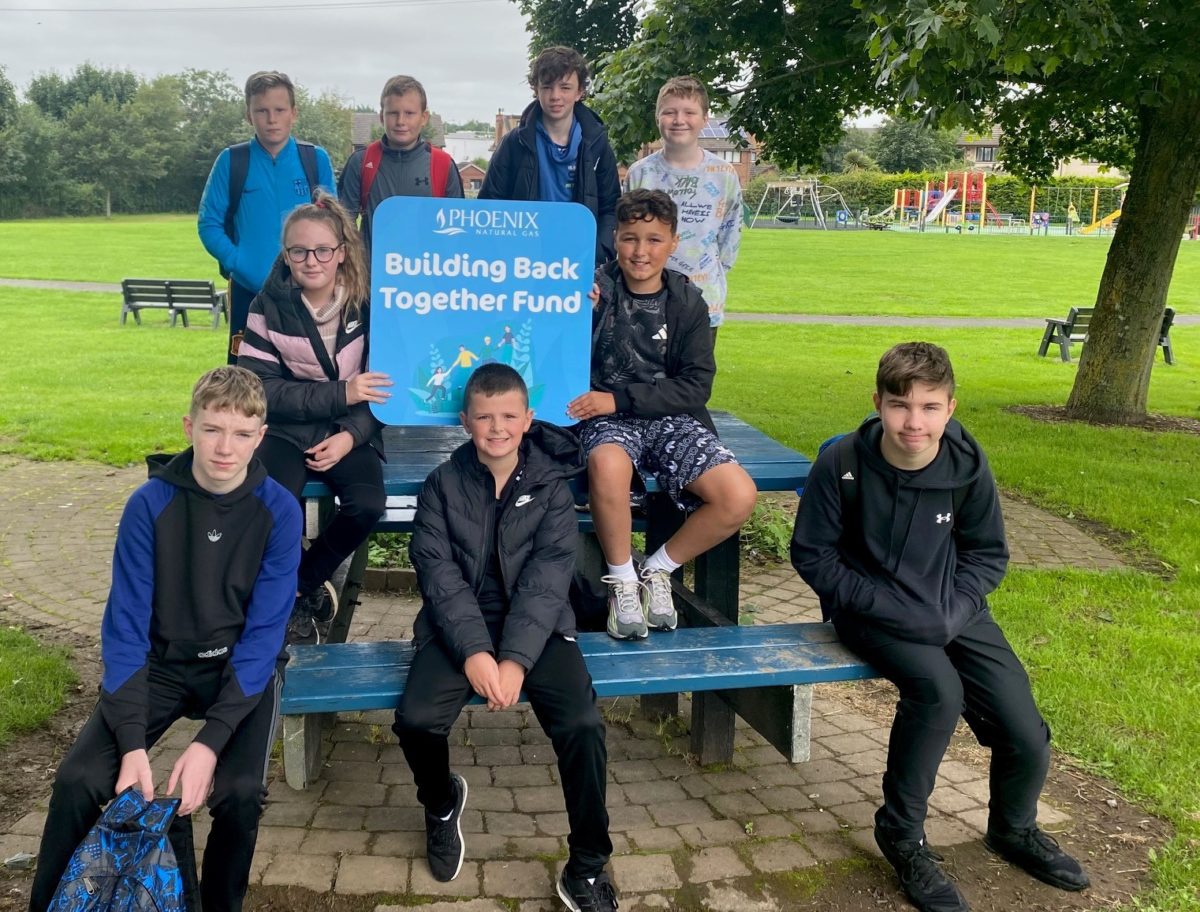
x,y
1114,368
108,204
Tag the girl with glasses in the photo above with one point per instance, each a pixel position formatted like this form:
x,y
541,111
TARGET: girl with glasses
x,y
306,337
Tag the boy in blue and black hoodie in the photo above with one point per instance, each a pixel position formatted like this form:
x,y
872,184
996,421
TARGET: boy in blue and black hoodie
x,y
900,534
203,580
560,152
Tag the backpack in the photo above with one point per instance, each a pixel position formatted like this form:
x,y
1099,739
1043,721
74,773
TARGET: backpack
x,y
126,862
440,163
239,167
847,464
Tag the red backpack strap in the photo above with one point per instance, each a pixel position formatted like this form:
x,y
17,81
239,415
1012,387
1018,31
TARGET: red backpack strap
x,y
440,164
370,170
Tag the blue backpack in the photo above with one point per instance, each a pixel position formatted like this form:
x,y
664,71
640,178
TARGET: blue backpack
x,y
126,862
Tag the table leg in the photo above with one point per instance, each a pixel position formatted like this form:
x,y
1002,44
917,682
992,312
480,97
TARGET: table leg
x,y
717,579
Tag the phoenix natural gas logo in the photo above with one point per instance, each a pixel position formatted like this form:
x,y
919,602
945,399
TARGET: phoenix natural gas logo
x,y
493,223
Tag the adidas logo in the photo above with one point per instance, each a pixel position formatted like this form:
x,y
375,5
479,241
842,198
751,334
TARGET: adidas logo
x,y
368,165
212,653
214,535
849,476
661,335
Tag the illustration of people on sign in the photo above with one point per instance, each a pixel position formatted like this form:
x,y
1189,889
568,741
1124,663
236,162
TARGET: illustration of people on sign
x,y
464,358
504,348
439,381
486,353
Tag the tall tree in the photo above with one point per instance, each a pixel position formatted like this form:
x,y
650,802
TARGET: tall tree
x,y
56,96
595,28
906,145
1109,79
105,144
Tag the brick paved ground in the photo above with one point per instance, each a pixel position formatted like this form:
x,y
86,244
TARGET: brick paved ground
x,y
359,829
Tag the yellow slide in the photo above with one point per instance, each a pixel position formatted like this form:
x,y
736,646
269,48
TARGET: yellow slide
x,y
1105,222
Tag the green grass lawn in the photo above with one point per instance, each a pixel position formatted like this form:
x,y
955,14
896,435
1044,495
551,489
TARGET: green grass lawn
x,y
1114,656
33,680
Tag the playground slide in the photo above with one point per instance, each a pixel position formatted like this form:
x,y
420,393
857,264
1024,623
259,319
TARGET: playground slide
x,y
932,214
1105,222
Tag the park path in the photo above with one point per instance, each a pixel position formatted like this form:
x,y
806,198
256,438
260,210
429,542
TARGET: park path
x,y
722,833
736,316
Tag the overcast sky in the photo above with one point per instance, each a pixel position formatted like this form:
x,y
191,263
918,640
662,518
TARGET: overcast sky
x,y
469,54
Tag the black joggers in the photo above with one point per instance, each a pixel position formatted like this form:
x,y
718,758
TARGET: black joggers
x,y
87,778
976,676
357,480
560,690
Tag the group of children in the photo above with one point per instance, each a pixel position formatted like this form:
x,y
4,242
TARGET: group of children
x,y
899,530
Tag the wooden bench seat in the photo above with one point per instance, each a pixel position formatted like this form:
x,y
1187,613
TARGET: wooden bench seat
x,y
176,296
347,677
1074,328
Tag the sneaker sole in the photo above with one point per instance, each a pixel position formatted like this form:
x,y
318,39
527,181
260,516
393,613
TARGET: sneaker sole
x,y
663,626
565,896
333,604
1069,885
627,636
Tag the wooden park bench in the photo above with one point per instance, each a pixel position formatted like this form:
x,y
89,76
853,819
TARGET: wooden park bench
x,y
1075,329
175,296
764,674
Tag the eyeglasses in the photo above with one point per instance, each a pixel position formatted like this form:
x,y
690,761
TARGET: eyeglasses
x,y
323,254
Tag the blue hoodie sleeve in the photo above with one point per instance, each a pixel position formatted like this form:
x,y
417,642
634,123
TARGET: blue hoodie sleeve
x,y
125,630
253,657
211,221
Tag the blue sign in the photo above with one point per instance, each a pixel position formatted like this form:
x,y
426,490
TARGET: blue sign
x,y
459,283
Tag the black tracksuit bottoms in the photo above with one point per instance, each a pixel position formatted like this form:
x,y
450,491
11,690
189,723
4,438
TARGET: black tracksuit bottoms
x,y
560,690
87,778
976,676
357,480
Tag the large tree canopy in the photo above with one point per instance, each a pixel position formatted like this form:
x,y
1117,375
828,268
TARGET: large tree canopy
x,y
1108,79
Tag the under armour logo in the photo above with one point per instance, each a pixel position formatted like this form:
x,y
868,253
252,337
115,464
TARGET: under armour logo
x,y
418,181
849,476
214,535
523,499
943,517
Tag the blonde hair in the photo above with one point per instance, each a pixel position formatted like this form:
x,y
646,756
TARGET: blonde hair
x,y
352,273
230,389
683,87
266,80
402,85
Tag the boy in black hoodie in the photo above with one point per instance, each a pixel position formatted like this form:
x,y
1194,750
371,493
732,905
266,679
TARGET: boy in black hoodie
x,y
900,535
560,152
494,551
203,579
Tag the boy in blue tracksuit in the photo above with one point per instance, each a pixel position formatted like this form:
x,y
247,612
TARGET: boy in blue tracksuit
x,y
203,580
276,183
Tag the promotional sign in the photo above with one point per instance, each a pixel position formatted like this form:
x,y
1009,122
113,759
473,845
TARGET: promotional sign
x,y
460,283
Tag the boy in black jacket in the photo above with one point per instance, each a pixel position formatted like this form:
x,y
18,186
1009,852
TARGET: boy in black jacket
x,y
652,373
900,535
560,152
203,579
494,551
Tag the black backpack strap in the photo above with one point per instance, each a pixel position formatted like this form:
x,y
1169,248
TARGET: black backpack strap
x,y
239,167
308,161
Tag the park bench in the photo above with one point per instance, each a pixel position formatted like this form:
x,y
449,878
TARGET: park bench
x,y
175,296
710,656
1075,329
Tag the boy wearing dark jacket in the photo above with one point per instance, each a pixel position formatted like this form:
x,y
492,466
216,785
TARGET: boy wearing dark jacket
x,y
204,573
494,551
900,535
560,152
652,373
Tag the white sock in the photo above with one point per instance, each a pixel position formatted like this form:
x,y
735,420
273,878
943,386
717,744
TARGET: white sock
x,y
661,560
624,572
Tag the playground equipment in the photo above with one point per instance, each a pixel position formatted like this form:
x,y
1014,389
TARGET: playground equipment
x,y
959,200
1045,203
804,204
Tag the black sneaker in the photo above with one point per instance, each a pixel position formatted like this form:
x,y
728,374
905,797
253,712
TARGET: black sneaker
x,y
324,610
1038,853
301,629
587,895
312,614
924,882
443,838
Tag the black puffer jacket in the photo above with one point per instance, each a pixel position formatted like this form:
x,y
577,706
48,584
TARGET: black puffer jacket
x,y
513,172
452,544
690,363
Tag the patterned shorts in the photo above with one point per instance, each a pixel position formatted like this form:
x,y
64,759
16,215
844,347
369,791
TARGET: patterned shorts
x,y
674,451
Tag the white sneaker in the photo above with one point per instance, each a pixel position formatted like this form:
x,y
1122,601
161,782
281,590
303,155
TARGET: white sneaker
x,y
626,609
660,606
